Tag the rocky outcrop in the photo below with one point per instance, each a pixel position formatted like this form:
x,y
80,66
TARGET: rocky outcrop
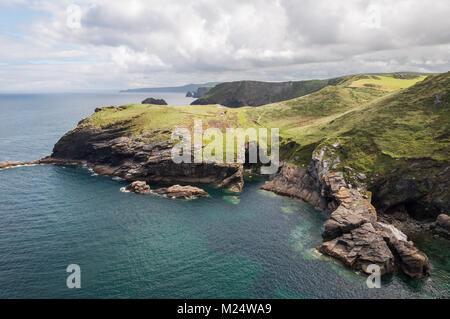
x,y
175,191
442,226
144,157
154,101
138,187
296,182
112,107
199,92
359,248
353,235
44,161
184,192
410,260
420,188
4,165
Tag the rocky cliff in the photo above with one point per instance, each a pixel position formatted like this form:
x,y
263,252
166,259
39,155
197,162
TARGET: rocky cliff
x,y
199,92
254,93
112,151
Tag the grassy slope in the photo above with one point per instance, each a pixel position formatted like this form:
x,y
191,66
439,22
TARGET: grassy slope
x,y
376,123
327,113
400,128
253,93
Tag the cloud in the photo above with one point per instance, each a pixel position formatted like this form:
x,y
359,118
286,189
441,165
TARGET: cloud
x,y
148,43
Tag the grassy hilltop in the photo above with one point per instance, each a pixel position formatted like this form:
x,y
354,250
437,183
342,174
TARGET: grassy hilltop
x,y
377,119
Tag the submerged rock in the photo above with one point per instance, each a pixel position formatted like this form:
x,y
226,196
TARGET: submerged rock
x,y
178,191
4,165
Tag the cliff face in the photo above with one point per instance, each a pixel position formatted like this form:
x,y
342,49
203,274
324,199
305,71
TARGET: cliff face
x,y
111,151
253,93
199,92
296,182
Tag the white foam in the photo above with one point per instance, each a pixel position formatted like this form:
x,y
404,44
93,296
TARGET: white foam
x,y
124,190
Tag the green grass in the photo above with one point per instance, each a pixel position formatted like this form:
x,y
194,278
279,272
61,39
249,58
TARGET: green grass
x,y
385,82
140,118
397,130
377,119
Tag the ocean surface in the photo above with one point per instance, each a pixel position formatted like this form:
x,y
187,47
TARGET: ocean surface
x,y
255,245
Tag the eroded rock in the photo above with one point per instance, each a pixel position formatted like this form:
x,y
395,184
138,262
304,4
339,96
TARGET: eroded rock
x,y
139,187
359,248
184,192
296,182
342,221
355,237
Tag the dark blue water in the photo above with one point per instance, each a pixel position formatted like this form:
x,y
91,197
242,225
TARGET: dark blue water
x,y
254,245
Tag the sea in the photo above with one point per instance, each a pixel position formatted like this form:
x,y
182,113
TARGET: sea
x,y
251,245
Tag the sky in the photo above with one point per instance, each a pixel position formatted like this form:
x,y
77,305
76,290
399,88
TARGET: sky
x,y
66,46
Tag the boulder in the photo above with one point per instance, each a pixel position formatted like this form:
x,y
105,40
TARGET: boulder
x,y
139,187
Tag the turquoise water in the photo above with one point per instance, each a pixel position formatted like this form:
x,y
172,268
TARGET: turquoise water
x,y
255,245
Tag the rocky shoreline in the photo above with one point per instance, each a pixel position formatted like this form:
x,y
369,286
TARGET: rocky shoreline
x,y
353,233
142,157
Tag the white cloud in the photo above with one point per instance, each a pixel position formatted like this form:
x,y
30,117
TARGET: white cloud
x,y
124,44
